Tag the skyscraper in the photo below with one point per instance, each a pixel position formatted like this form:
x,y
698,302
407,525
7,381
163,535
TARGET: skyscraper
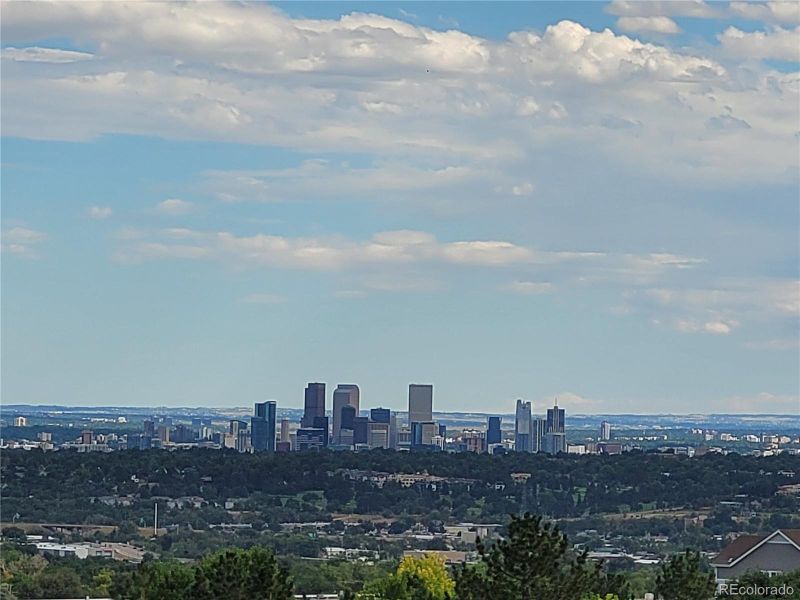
x,y
555,440
420,403
345,394
380,415
522,427
360,430
538,431
262,426
555,419
314,405
322,423
493,433
285,431
605,431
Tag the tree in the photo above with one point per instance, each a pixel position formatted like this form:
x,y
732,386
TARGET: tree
x,y
532,562
431,573
154,580
756,585
681,578
237,574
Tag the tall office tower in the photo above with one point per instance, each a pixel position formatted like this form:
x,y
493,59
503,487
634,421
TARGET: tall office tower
x,y
361,430
538,431
348,416
314,405
235,425
345,394
420,403
522,427
393,430
441,430
242,440
605,431
87,436
422,433
555,442
380,415
555,419
285,430
322,423
310,438
378,435
493,433
262,426
163,434
149,428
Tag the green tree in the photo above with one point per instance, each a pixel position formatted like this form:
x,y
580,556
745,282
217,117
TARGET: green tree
x,y
682,578
755,584
155,580
236,574
532,562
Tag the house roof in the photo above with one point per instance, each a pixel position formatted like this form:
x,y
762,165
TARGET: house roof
x,y
744,544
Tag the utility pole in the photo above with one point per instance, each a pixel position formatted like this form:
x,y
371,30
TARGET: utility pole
x,y
155,522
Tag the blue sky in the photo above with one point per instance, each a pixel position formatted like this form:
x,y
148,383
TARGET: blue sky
x,y
212,204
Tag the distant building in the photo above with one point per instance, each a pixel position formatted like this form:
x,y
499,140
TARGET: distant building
x,y
522,427
774,553
87,437
393,431
285,431
235,425
474,440
314,404
310,438
554,443
555,419
262,426
538,431
361,430
420,403
345,394
605,431
422,433
44,436
20,422
149,428
322,423
182,434
380,415
378,435
493,433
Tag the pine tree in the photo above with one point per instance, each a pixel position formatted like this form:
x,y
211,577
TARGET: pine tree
x,y
681,578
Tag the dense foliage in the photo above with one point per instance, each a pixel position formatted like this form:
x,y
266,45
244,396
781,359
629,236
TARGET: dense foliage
x,y
63,486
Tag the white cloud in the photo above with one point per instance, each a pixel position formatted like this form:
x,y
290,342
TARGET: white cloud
x,y
264,298
712,327
786,11
99,212
371,84
774,344
174,207
22,241
780,44
656,8
530,287
44,55
648,25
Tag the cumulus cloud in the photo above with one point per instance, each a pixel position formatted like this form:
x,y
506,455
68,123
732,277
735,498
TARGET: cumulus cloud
x,y
648,25
99,212
778,43
784,11
174,207
22,241
372,84
44,55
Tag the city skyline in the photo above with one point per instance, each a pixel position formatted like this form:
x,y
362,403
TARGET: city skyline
x,y
207,204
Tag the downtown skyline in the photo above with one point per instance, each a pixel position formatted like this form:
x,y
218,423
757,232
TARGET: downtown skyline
x,y
589,201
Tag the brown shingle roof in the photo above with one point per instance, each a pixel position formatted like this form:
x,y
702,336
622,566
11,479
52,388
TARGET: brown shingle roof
x,y
735,549
743,543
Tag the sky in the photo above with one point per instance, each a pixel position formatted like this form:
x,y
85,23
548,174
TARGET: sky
x,y
212,204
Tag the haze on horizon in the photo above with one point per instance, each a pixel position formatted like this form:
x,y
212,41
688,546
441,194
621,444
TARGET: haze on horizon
x,y
210,204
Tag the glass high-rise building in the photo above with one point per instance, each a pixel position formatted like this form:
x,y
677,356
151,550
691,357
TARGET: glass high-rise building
x,y
380,415
493,433
314,404
555,419
263,425
522,427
